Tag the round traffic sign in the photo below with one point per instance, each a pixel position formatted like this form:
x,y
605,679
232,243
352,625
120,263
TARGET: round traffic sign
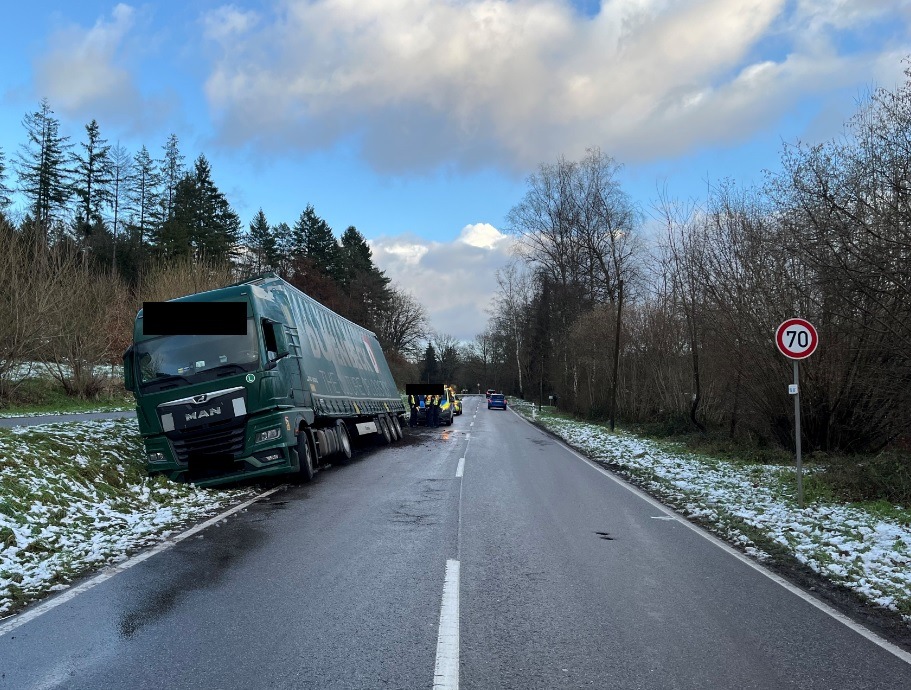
x,y
796,338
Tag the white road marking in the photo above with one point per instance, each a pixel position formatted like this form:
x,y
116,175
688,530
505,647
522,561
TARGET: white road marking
x,y
110,572
471,424
446,671
724,546
460,470
663,517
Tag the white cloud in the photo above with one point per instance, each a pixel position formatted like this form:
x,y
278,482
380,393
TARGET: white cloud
x,y
455,281
84,73
482,235
514,83
224,23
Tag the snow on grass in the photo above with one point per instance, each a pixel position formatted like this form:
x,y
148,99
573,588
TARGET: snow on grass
x,y
755,507
125,407
74,497
24,370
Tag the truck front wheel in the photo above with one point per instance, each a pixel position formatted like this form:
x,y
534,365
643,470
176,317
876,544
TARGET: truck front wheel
x,y
304,457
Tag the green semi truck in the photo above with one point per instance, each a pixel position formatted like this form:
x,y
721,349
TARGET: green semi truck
x,y
253,380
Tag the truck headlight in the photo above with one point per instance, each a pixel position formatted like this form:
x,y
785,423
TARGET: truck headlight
x,y
270,435
156,457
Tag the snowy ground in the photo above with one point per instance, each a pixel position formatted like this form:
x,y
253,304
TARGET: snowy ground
x,y
74,497
34,370
126,407
25,370
747,504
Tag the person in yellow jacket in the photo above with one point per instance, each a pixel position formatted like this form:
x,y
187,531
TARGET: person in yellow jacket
x,y
413,419
435,409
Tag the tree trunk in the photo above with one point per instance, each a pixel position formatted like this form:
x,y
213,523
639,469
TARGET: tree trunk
x,y
697,385
615,383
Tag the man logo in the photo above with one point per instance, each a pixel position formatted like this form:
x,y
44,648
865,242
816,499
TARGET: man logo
x,y
202,414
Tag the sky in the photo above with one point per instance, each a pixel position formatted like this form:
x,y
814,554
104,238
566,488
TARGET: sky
x,y
419,121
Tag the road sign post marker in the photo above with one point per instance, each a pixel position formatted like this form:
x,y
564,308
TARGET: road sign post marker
x,y
797,339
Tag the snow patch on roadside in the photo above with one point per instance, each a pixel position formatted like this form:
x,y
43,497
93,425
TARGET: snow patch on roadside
x,y
74,497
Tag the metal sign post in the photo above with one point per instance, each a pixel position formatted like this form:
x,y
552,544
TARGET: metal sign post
x,y
797,433
797,339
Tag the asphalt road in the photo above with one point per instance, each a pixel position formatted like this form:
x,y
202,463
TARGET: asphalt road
x,y
532,570
9,422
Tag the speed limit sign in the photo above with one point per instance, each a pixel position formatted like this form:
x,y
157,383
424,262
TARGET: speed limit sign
x,y
796,338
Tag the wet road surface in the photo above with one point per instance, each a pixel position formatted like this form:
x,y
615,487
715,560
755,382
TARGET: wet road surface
x,y
565,580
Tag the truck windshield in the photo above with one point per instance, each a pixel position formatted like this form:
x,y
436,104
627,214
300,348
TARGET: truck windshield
x,y
194,358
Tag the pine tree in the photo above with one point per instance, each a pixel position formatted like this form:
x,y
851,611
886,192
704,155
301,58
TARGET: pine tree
x,y
43,176
313,238
431,368
283,247
121,166
262,243
355,256
171,172
144,199
172,237
92,177
216,228
363,284
202,222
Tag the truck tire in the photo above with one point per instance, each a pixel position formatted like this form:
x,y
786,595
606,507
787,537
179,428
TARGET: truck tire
x,y
398,425
305,457
393,431
385,434
344,439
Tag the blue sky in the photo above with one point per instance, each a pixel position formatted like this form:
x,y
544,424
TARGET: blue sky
x,y
418,120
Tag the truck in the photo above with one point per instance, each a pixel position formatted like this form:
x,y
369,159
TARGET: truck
x,y
254,380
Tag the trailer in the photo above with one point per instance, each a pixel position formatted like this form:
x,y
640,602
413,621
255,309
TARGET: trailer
x,y
253,380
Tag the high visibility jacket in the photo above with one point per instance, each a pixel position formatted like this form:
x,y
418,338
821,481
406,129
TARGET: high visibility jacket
x,y
436,401
412,400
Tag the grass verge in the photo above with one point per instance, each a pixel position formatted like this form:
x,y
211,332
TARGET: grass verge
x,y
75,497
39,395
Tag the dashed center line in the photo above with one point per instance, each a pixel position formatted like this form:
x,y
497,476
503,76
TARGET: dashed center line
x,y
460,470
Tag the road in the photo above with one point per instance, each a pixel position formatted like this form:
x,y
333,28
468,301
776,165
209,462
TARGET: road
x,y
534,569
9,422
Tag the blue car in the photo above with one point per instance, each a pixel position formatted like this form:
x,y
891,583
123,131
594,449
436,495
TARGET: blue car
x,y
497,400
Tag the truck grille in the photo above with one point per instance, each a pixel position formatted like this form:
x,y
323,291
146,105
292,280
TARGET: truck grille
x,y
225,439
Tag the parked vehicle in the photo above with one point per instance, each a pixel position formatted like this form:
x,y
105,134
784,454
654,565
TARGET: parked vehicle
x,y
447,410
283,394
496,401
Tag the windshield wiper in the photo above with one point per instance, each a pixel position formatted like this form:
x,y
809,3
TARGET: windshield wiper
x,y
222,367
161,377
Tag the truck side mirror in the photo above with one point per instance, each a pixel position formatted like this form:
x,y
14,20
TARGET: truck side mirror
x,y
276,342
129,380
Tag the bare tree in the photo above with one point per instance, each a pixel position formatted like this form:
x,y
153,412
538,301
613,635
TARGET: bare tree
x,y
402,324
682,257
608,223
511,304
120,172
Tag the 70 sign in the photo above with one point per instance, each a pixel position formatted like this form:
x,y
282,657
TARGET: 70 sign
x,y
796,338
